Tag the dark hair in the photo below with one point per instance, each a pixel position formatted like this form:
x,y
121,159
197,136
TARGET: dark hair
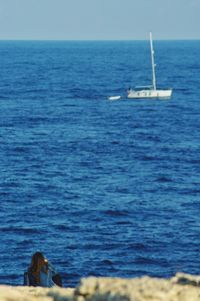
x,y
37,262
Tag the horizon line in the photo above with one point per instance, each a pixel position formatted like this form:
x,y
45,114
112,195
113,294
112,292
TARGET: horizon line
x,y
96,40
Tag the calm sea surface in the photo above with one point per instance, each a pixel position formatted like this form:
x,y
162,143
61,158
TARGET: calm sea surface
x,y
102,188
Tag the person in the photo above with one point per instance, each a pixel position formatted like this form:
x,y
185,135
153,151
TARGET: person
x,y
41,273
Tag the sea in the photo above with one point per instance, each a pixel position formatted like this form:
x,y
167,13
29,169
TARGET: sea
x,y
102,188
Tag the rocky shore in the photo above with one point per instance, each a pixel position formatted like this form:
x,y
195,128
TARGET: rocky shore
x,y
182,287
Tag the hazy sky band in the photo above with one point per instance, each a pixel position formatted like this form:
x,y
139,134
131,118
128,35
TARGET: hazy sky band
x,y
99,19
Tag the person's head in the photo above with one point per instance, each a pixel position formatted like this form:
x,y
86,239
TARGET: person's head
x,y
38,261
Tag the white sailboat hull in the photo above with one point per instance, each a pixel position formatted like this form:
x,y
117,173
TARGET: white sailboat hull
x,y
149,93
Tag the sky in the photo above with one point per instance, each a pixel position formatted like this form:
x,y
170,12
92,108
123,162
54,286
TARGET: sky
x,y
99,19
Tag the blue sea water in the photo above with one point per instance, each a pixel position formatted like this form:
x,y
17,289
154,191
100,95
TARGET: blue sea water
x,y
102,188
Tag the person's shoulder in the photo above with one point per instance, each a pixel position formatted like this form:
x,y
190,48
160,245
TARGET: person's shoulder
x,y
52,269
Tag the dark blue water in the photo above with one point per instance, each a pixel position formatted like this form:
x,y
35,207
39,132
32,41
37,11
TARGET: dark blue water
x,y
102,188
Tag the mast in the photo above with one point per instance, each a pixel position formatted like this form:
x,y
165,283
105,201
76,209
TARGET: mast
x,y
153,63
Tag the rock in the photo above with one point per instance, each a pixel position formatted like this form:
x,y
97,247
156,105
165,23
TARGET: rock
x,y
182,287
20,293
179,288
185,279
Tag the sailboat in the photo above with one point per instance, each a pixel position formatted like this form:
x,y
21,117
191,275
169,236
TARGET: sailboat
x,y
150,91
